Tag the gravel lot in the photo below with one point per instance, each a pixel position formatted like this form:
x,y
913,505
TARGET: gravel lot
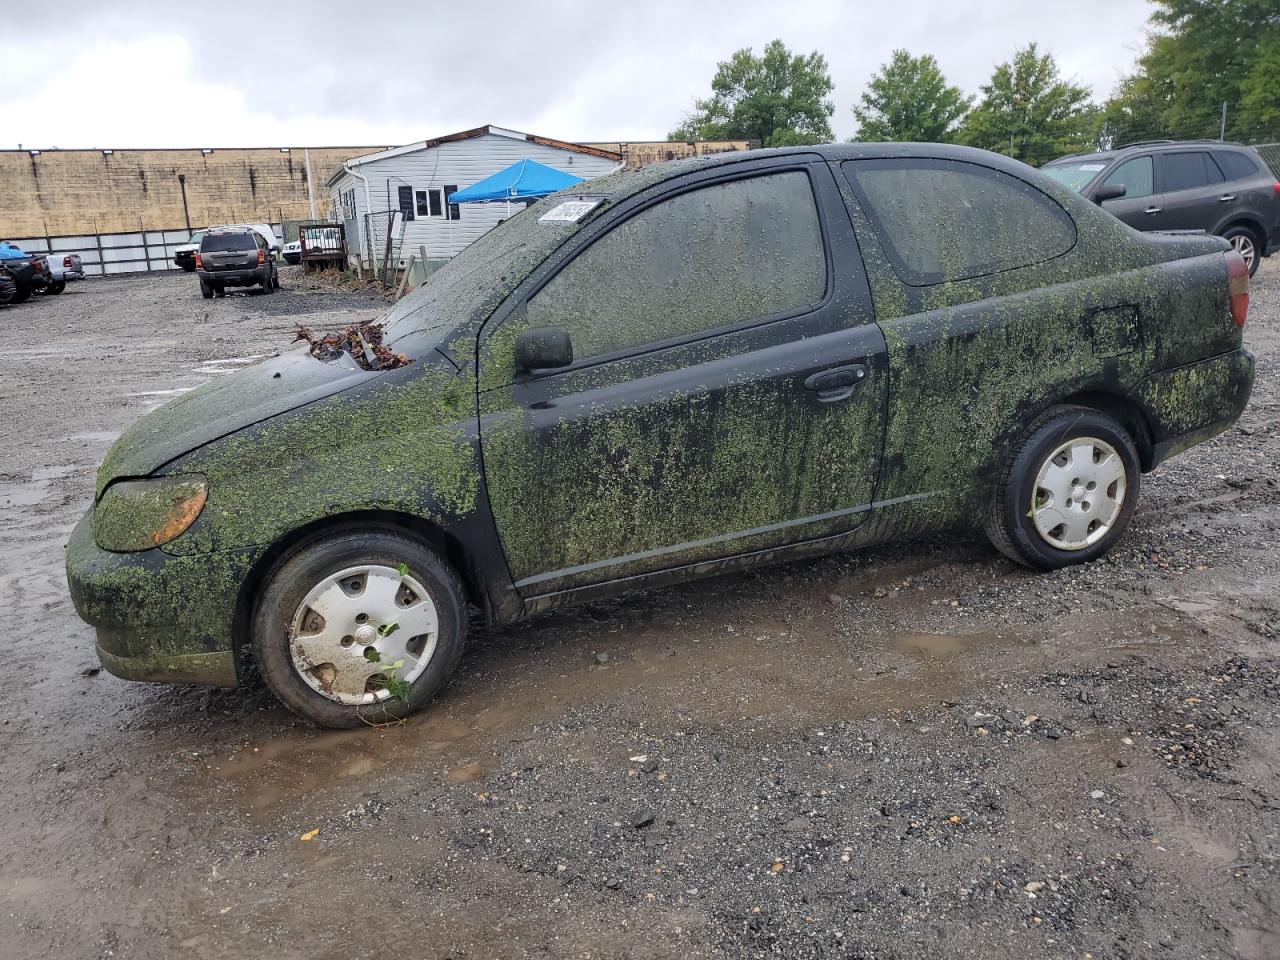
x,y
914,751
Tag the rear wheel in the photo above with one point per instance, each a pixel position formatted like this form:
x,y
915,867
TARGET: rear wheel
x,y
23,293
56,287
219,290
1068,492
1245,242
269,285
206,291
359,627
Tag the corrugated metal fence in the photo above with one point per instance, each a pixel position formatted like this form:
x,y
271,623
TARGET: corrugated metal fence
x,y
110,253
1270,152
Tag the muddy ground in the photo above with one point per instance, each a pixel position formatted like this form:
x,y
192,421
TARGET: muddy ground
x,y
915,751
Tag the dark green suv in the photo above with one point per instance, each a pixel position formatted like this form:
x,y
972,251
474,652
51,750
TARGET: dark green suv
x,y
695,367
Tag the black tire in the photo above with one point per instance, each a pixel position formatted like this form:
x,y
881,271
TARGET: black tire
x,y
188,267
1010,523
219,290
56,287
268,285
23,293
206,291
309,564
275,280
1242,236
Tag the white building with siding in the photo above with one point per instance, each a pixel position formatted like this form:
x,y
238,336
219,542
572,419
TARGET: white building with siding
x,y
414,181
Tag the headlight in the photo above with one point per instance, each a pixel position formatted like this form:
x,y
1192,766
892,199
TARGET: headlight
x,y
141,514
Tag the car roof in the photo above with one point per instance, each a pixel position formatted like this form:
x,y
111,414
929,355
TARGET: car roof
x,y
1148,146
626,182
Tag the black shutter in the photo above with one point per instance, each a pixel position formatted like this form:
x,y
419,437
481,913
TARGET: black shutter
x,y
406,201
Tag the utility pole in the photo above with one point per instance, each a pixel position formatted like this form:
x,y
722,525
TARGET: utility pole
x,y
1222,131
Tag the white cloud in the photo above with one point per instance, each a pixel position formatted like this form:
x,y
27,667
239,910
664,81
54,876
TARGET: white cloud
x,y
146,75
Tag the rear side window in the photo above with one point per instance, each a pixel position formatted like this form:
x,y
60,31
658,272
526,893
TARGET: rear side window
x,y
1186,171
1137,176
1235,165
944,220
708,258
228,242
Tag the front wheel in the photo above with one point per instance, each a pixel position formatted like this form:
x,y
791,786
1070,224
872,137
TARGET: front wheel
x,y
359,627
56,287
1068,492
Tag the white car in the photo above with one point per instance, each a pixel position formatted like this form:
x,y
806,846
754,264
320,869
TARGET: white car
x,y
293,252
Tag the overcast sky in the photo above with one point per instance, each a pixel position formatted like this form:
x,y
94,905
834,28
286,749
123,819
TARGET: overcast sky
x,y
272,73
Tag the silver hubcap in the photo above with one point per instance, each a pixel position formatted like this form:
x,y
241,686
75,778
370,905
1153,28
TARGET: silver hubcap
x,y
1243,245
357,627
1078,493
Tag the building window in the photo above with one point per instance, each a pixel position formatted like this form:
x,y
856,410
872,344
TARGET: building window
x,y
348,198
405,196
455,210
429,203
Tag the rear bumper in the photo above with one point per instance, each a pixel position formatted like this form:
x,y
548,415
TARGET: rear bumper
x,y
1188,405
158,617
235,278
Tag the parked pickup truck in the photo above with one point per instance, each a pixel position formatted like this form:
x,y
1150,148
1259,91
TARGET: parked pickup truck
x,y
30,271
63,268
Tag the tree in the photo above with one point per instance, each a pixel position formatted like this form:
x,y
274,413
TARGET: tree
x,y
909,100
1029,112
1201,54
778,98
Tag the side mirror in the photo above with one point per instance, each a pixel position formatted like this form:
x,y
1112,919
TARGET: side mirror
x,y
1112,192
542,348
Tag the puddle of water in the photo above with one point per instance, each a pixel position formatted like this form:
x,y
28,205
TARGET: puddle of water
x,y
23,495
233,361
161,393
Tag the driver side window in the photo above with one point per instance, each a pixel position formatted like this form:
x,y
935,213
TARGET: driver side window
x,y
1136,176
712,257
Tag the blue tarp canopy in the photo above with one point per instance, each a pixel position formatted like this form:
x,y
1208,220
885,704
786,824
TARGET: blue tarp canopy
x,y
525,179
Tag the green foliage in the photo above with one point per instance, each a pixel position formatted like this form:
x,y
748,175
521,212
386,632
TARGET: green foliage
x,y
778,98
393,684
1201,54
909,100
1029,112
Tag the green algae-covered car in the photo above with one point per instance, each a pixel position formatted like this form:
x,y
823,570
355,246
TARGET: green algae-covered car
x,y
690,368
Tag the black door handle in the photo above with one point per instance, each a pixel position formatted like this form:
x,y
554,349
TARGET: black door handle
x,y
837,383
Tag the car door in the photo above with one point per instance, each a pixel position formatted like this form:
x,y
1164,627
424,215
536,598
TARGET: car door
x,y
1190,185
726,393
1140,202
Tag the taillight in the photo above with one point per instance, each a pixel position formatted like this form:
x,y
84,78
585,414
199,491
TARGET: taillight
x,y
1238,287
66,262
199,262
262,256
1276,185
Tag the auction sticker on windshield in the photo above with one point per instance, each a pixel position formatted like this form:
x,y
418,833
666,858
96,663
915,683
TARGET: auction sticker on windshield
x,y
570,210
1093,166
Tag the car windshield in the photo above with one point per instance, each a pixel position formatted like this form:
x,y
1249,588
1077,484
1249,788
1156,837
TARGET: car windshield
x,y
227,242
1077,173
196,237
474,282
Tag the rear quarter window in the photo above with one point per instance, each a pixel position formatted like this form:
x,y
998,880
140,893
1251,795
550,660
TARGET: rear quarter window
x,y
944,220
1235,165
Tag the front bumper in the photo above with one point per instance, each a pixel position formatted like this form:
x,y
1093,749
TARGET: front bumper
x,y
1189,404
159,617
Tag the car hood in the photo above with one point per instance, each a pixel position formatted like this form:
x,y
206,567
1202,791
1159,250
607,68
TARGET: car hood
x,y
227,404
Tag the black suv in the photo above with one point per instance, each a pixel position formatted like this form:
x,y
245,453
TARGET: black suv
x,y
235,257
1204,185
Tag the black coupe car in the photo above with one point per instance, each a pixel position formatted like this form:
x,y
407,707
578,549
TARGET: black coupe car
x,y
689,368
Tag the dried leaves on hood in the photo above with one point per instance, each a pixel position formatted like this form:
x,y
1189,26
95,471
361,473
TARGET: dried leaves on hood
x,y
363,341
